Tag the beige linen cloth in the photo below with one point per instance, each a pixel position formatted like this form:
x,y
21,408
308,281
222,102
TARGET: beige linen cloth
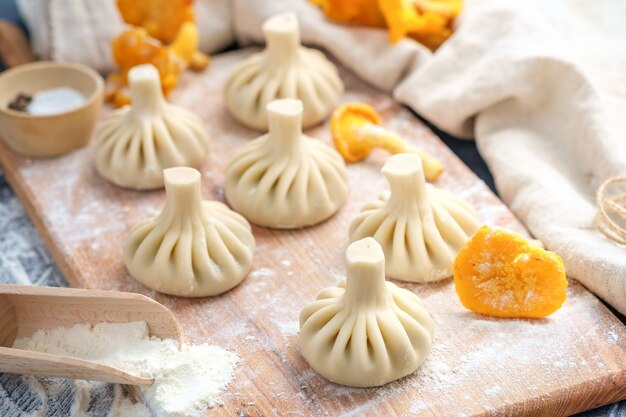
x,y
540,84
82,30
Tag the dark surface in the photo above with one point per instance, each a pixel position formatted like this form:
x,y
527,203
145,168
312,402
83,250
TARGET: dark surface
x,y
32,263
466,150
8,11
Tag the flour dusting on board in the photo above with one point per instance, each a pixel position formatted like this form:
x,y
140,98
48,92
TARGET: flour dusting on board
x,y
262,273
186,382
75,212
88,220
447,368
289,328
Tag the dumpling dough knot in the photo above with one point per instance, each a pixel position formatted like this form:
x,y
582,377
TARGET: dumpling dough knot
x,y
285,69
421,228
135,143
285,179
366,332
193,248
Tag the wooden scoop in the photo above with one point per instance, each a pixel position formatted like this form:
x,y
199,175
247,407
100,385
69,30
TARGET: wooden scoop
x,y
24,309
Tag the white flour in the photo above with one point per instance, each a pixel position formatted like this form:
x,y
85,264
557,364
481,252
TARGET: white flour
x,y
186,382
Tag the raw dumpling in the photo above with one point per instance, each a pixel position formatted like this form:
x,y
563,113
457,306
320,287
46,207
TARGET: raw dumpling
x,y
421,228
136,142
285,69
366,332
284,179
193,248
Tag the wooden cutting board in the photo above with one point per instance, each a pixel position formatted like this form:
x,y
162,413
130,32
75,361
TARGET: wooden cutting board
x,y
572,361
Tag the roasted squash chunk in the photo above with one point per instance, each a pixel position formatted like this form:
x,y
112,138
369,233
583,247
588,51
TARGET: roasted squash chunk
x,y
499,273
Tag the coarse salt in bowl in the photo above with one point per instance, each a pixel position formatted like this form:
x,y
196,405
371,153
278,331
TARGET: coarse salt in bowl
x,y
50,133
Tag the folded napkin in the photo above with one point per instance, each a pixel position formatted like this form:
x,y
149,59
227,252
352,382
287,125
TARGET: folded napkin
x,y
73,30
540,84
82,30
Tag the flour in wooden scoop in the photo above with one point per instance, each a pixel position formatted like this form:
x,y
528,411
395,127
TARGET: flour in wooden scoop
x,y
186,382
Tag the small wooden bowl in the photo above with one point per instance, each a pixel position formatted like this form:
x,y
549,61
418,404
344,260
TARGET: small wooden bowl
x,y
52,134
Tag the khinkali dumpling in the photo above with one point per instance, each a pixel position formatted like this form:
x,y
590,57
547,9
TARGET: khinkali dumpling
x,y
135,143
421,228
366,332
193,248
285,69
284,179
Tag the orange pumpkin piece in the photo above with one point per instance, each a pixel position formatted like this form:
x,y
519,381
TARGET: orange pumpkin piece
x,y
358,12
161,18
163,33
429,22
135,46
499,273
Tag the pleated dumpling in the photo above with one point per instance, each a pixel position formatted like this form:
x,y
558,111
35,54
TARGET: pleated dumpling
x,y
193,248
135,143
284,179
366,332
285,69
420,227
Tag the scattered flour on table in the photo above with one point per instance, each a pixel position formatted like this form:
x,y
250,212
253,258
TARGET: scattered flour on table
x,y
493,390
289,328
612,337
128,409
263,273
186,382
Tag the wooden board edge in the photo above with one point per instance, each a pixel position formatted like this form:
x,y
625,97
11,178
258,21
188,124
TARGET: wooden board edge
x,y
27,199
564,402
